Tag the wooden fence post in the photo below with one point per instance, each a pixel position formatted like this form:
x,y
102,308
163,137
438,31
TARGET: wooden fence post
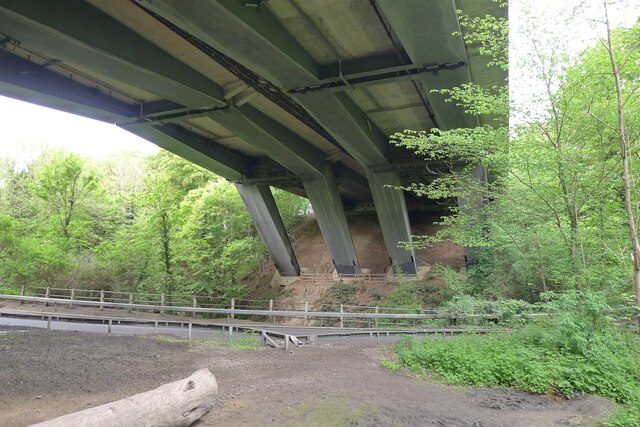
x,y
376,319
271,309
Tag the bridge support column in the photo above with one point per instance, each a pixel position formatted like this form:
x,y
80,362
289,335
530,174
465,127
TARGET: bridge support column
x,y
264,212
393,217
327,207
471,203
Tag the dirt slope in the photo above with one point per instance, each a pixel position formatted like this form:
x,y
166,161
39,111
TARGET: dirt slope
x,y
312,252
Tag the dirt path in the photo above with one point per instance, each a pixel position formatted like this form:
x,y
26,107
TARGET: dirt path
x,y
44,374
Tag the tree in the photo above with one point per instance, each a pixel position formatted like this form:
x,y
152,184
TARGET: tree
x,y
556,202
168,180
65,184
625,79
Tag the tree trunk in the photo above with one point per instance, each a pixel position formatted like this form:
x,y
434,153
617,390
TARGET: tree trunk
x,y
179,403
624,155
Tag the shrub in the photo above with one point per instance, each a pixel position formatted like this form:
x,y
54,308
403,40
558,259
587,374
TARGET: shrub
x,y
577,350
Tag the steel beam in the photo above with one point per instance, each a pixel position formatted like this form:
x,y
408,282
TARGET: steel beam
x,y
471,204
76,32
375,77
273,139
24,80
425,29
329,212
260,42
193,147
393,217
262,208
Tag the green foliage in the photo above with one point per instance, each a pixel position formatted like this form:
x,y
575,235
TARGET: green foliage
x,y
247,341
578,349
551,216
157,224
341,293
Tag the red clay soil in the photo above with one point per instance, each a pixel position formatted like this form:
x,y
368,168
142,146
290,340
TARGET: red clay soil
x,y
45,374
312,251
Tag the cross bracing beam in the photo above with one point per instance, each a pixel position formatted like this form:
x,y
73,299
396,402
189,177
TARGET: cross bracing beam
x,y
425,29
366,66
376,77
176,116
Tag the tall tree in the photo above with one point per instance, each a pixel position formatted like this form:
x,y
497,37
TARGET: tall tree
x,y
65,184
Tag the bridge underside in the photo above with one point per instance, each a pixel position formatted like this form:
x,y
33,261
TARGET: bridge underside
x,y
285,93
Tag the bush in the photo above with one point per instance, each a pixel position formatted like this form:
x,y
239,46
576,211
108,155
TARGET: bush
x,y
577,350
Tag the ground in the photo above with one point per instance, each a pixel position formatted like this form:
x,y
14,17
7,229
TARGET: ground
x,y
45,374
312,252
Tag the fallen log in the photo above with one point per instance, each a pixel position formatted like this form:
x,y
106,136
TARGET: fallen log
x,y
175,404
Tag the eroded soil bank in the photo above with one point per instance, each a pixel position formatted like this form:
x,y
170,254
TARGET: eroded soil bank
x,y
44,374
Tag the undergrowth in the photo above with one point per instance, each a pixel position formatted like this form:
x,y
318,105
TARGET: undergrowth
x,y
579,349
9,290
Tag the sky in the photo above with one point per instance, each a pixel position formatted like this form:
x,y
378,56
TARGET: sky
x,y
28,129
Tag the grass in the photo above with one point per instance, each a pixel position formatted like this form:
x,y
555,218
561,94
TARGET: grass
x,y
578,350
247,341
9,290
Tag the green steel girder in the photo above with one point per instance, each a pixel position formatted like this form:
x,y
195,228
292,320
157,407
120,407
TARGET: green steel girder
x,y
340,115
271,31
75,31
353,180
262,208
373,77
261,43
366,66
195,148
24,80
160,107
281,144
283,52
425,29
